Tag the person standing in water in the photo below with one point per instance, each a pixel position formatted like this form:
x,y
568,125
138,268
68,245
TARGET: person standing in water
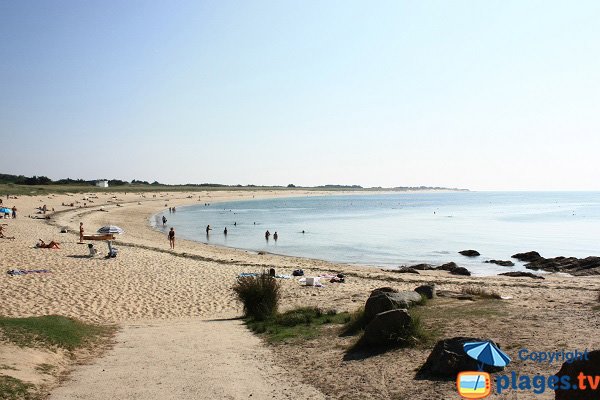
x,y
172,238
164,219
275,236
267,235
225,231
208,228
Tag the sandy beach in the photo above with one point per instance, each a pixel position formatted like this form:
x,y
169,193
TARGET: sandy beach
x,y
148,284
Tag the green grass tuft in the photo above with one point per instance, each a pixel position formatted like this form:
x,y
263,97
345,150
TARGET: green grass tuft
x,y
302,323
259,294
15,389
51,330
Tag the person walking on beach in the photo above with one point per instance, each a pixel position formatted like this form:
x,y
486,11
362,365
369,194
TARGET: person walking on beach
x,y
14,212
81,232
172,238
164,219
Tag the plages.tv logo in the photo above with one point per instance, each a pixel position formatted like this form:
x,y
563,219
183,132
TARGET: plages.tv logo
x,y
478,384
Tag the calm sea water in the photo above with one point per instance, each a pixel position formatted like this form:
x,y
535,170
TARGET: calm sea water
x,y
401,229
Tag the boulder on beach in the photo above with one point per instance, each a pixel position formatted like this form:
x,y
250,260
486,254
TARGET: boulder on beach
x,y
385,289
422,267
405,270
426,290
470,253
460,271
387,301
502,263
448,358
387,328
589,368
448,266
518,274
454,269
528,256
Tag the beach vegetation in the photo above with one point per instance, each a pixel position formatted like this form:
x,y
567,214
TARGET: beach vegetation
x,y
15,389
52,331
259,295
299,324
482,292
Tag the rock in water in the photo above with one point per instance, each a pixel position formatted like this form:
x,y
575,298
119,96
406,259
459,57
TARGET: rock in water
x,y
501,262
470,253
454,269
528,256
590,368
448,266
388,328
448,358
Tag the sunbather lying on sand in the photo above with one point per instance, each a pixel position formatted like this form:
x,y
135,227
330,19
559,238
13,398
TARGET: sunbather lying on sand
x,y
43,245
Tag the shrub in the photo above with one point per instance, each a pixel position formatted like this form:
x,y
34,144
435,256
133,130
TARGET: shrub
x,y
259,294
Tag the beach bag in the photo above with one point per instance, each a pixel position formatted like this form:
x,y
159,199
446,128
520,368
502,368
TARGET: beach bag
x,y
298,272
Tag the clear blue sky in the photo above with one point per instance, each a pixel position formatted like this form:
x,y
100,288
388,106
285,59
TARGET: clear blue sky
x,y
477,94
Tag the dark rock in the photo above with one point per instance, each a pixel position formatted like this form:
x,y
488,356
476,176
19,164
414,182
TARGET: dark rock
x,y
426,290
522,274
448,358
448,266
501,262
460,271
575,266
589,367
454,269
380,290
387,328
390,301
422,267
528,256
405,270
470,253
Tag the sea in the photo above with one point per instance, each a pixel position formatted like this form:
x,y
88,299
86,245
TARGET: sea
x,y
393,230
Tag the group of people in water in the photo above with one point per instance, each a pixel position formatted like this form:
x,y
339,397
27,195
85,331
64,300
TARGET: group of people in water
x,y
171,234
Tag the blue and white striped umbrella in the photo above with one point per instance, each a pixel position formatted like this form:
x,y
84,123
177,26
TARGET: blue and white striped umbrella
x,y
111,230
486,353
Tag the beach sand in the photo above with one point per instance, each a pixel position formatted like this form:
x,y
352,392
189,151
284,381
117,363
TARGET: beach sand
x,y
147,283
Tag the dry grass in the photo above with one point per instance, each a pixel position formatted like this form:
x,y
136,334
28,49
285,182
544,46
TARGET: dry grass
x,y
481,292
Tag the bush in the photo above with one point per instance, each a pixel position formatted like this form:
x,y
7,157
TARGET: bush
x,y
259,294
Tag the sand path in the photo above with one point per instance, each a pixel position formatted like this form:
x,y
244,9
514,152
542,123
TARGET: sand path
x,y
194,359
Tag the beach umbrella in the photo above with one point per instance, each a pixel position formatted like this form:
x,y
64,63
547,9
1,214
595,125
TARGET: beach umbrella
x,y
111,230
486,353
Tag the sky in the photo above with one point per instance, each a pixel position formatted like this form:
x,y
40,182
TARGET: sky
x,y
484,95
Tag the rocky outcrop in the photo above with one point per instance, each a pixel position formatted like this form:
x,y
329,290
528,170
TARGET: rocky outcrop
x,y
518,274
448,358
589,367
428,291
571,265
528,256
387,328
386,301
405,270
470,253
502,263
422,267
380,290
